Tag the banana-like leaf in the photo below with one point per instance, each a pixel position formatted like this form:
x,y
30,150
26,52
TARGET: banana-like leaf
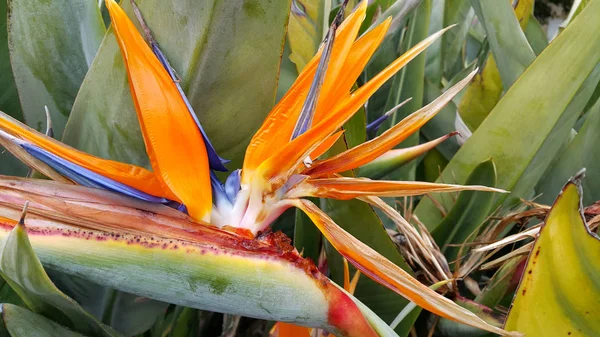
x,y
468,213
457,12
20,322
509,48
505,33
582,152
536,36
9,96
22,270
523,144
227,54
559,294
52,45
126,313
308,20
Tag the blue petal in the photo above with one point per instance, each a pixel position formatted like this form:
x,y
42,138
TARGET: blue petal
x,y
374,125
220,198
233,185
310,104
85,177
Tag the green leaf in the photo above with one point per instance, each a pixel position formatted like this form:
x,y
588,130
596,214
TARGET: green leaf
x,y
227,56
511,50
523,144
126,313
307,237
433,54
23,323
559,294
503,283
131,314
22,270
9,97
52,44
536,36
308,19
457,12
582,152
468,213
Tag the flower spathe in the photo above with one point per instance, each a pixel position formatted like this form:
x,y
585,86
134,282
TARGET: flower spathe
x,y
283,164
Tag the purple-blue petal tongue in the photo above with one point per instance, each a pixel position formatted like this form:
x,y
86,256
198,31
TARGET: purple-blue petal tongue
x,y
233,185
214,160
85,177
310,104
220,198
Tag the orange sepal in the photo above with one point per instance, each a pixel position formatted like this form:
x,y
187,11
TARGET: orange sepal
x,y
371,150
279,124
344,188
381,270
130,175
326,145
278,167
173,142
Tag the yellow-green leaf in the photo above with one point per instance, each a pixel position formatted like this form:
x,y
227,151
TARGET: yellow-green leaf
x,y
559,294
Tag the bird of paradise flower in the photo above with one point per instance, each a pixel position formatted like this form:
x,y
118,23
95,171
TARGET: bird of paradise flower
x,y
182,198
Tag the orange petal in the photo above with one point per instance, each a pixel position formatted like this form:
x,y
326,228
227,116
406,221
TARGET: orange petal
x,y
380,269
279,124
344,188
278,167
173,142
326,145
127,174
369,151
282,329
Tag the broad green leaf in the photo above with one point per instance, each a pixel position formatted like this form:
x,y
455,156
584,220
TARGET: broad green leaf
x,y
8,295
468,213
131,314
509,46
52,45
126,313
21,322
582,152
502,31
559,294
457,12
9,97
308,20
433,54
536,36
307,238
227,55
503,283
523,144
22,270
442,124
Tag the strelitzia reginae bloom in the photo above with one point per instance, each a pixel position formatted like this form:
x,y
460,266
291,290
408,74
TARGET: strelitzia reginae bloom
x,y
176,233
